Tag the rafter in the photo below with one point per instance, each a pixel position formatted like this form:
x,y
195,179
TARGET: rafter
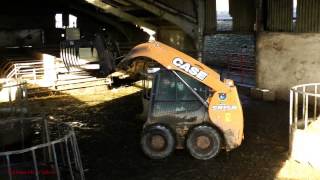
x,y
119,13
186,25
104,19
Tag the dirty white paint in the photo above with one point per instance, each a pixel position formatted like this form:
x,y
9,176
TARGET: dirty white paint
x,y
287,59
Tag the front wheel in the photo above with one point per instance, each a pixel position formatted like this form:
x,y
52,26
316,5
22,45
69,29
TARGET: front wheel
x,y
203,142
157,141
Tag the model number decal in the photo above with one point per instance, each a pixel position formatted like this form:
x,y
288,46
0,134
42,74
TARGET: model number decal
x,y
223,107
194,71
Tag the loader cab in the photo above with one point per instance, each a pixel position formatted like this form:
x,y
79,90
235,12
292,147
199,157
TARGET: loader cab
x,y
175,101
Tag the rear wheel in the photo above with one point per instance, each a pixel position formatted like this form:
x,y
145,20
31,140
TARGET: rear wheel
x,y
157,142
204,142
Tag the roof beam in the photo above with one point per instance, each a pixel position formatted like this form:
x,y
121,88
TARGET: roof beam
x,y
130,8
187,26
123,15
105,19
123,2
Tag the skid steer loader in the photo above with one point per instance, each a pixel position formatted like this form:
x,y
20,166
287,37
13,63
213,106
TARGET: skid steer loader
x,y
188,106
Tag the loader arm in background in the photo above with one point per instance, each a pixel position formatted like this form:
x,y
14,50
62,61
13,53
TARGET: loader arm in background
x,y
224,107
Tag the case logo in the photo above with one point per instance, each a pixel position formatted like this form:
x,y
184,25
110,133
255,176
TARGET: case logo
x,y
222,96
194,71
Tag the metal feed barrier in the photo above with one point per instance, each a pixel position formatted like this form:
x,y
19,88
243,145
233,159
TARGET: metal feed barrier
x,y
34,148
241,68
304,123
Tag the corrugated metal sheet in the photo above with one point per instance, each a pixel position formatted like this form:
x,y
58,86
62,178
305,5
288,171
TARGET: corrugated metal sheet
x,y
308,16
243,15
279,15
210,16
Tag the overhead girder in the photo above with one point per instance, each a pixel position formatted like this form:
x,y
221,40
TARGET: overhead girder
x,y
187,24
192,26
107,20
121,14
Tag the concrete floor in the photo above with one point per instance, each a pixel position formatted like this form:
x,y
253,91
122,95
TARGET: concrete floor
x,y
108,134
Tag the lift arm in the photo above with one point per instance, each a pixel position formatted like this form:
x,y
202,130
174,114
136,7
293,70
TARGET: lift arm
x,y
173,59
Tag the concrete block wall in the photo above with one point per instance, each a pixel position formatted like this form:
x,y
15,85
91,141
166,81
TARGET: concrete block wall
x,y
224,25
218,47
287,59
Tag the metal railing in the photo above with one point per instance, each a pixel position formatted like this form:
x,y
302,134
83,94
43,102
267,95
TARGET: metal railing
x,y
52,152
304,101
304,123
241,65
26,70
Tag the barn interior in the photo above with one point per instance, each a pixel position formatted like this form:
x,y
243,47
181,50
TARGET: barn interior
x,y
68,112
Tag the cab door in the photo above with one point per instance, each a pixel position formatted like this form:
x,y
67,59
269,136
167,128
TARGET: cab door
x,y
172,102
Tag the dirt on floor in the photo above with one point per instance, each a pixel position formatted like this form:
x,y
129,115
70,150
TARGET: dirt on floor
x,y
108,132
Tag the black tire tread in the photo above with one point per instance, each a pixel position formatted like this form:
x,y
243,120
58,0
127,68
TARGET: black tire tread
x,y
213,133
166,132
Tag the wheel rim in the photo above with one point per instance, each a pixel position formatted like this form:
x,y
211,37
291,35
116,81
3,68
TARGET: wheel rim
x,y
203,142
157,143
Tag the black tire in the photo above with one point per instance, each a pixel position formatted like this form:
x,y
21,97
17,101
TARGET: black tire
x,y
157,141
203,142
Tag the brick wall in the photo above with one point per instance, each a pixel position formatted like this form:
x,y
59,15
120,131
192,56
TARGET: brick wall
x,y
218,47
